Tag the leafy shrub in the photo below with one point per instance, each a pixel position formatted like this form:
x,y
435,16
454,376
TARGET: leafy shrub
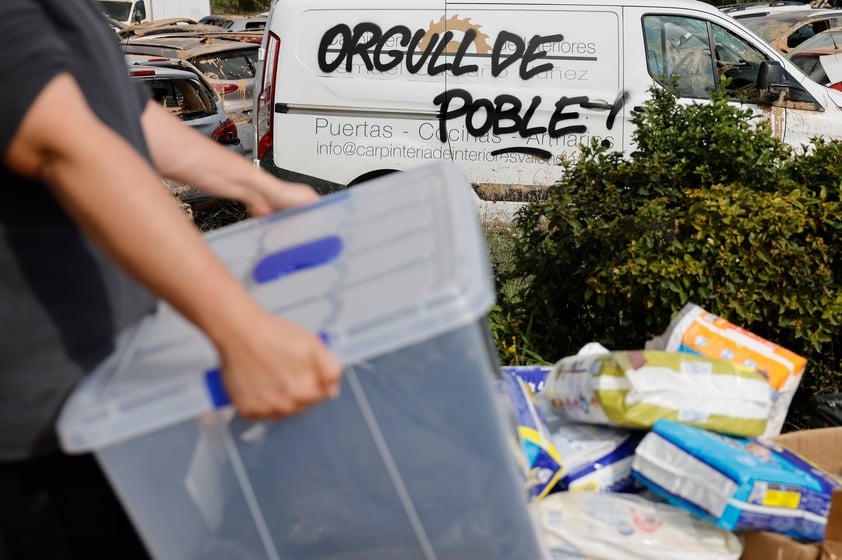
x,y
511,336
239,6
710,209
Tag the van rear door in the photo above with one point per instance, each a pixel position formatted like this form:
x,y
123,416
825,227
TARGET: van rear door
x,y
531,84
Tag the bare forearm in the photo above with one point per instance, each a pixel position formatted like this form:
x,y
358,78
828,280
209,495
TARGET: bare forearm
x,y
271,368
182,154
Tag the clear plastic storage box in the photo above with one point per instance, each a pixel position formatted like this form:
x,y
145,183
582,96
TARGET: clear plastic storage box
x,y
415,460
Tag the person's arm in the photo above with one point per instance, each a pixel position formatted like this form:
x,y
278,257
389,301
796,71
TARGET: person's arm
x,y
271,368
186,156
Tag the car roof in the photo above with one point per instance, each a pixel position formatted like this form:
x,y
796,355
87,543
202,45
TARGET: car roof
x,y
187,45
818,51
755,9
793,17
166,26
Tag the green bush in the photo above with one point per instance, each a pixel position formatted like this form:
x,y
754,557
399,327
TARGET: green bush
x,y
239,6
710,209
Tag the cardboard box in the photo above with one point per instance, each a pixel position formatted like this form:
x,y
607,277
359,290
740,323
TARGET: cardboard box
x,y
824,448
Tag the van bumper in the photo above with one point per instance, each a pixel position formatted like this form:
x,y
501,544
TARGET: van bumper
x,y
321,186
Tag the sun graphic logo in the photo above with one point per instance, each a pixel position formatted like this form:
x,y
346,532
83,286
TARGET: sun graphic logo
x,y
456,26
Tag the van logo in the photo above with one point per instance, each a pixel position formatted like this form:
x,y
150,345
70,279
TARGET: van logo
x,y
455,23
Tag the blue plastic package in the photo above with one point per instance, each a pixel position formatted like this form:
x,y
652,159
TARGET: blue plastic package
x,y
534,376
542,465
741,484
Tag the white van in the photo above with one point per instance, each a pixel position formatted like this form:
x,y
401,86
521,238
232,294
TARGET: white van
x,y
352,89
129,12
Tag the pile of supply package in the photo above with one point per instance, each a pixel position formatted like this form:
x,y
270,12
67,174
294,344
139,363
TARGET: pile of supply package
x,y
669,451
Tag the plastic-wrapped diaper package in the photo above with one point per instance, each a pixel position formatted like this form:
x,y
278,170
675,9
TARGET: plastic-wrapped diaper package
x,y
540,460
740,484
534,376
636,388
699,332
609,526
596,458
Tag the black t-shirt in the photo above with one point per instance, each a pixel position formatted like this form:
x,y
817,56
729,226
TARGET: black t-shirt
x,y
61,299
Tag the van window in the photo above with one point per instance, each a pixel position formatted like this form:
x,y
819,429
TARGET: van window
x,y
680,48
739,61
139,11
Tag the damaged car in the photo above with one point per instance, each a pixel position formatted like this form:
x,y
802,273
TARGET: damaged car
x,y
228,64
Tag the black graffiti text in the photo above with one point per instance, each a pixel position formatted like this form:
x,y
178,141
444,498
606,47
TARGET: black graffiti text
x,y
506,114
368,44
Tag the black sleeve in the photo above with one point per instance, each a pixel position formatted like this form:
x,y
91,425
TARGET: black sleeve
x,y
31,55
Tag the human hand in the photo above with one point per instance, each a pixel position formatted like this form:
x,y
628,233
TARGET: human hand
x,y
269,194
274,369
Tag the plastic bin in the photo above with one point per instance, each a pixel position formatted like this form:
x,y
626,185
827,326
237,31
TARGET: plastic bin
x,y
414,460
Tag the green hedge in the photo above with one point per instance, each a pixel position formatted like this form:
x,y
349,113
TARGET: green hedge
x,y
710,209
246,7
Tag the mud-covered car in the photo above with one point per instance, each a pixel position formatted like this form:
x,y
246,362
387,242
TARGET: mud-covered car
x,y
237,23
228,63
167,26
786,30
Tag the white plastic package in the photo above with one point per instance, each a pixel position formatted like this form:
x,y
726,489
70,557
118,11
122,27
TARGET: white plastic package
x,y
635,388
596,458
609,526
700,332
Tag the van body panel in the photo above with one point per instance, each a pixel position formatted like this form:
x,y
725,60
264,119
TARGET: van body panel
x,y
507,89
546,79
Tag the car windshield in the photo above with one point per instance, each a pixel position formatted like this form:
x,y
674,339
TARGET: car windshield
x,y
117,10
228,66
793,25
187,99
770,28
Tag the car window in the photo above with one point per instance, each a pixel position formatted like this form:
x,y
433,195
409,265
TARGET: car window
x,y
183,97
830,38
228,66
809,30
812,67
678,48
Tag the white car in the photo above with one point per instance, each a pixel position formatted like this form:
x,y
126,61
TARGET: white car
x,y
758,9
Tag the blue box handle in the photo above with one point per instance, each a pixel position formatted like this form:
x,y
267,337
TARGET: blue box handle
x,y
301,257
216,388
